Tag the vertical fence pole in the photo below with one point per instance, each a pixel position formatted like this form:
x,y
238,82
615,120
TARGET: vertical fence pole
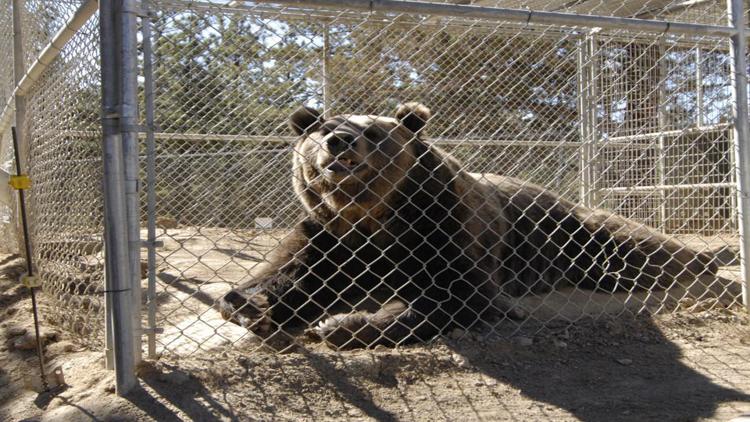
x,y
741,129
595,152
583,124
129,129
148,95
118,277
661,116
699,86
19,69
326,71
587,115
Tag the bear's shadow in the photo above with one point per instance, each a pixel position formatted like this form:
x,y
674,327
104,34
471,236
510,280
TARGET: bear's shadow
x,y
611,367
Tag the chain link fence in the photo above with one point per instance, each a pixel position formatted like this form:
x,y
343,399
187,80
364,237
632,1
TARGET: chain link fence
x,y
635,122
506,99
64,160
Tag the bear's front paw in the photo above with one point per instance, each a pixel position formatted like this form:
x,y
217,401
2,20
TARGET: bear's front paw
x,y
248,309
346,331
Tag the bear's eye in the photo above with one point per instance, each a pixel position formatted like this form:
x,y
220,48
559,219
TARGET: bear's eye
x,y
328,127
374,134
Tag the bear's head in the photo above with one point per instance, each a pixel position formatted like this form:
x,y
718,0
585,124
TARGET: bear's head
x,y
346,167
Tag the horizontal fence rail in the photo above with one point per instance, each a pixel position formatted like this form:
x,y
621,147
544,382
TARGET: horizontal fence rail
x,y
515,15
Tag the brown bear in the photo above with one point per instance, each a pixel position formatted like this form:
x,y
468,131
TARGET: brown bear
x,y
400,243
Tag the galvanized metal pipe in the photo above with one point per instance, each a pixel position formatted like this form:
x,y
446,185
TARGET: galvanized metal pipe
x,y
29,79
741,131
661,115
654,188
516,15
129,128
148,93
118,280
667,133
19,102
326,72
582,88
699,87
19,69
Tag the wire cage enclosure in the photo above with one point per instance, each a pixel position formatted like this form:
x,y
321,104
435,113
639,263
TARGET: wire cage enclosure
x,y
602,103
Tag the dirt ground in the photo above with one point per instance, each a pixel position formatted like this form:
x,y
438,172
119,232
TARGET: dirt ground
x,y
694,365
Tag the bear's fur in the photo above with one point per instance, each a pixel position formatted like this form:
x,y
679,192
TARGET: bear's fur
x,y
400,243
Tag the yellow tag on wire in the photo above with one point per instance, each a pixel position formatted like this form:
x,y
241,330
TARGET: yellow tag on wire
x,y
30,281
20,182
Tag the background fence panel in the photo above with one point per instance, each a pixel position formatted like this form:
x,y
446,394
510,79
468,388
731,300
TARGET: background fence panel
x,y
505,99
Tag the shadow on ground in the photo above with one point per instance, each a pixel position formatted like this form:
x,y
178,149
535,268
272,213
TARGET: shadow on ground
x,y
604,369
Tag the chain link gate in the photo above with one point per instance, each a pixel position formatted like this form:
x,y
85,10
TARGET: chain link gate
x,y
632,120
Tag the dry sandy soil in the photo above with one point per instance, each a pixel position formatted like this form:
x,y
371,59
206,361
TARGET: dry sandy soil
x,y
693,365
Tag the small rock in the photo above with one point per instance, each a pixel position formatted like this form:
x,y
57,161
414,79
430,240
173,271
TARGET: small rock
x,y
147,369
559,344
55,403
50,336
524,341
167,223
705,305
15,331
25,342
144,269
745,340
687,302
625,362
459,360
456,333
109,388
61,347
175,377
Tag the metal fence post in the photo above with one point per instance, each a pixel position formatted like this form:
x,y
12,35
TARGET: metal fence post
x,y
741,129
326,71
129,129
19,70
661,149
587,116
583,115
148,95
119,279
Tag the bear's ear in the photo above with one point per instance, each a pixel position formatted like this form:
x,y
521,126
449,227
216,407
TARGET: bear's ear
x,y
413,115
304,119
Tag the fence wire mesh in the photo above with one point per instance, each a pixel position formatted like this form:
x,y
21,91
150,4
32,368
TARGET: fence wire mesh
x,y
633,122
65,204
6,49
